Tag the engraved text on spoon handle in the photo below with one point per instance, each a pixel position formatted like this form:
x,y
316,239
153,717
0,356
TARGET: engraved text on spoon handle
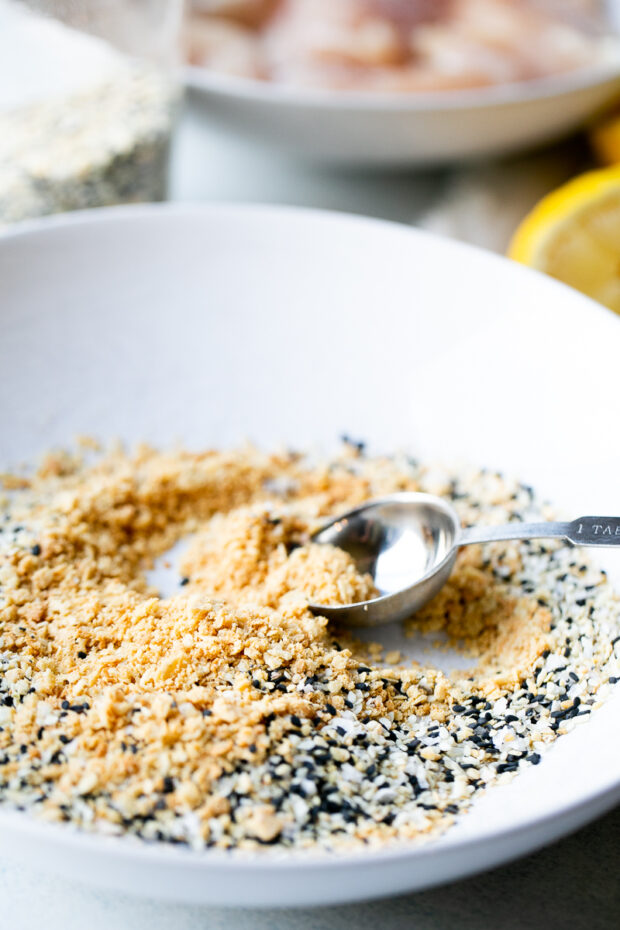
x,y
584,531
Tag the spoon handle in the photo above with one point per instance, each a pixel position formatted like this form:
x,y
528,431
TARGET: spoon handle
x,y
584,531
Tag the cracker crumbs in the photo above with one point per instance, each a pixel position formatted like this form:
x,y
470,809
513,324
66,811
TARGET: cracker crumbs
x,y
228,715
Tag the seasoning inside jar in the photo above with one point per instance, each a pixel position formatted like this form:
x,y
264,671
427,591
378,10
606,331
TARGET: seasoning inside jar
x,y
81,124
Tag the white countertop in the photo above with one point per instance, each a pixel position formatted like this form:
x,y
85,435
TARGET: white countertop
x,y
573,884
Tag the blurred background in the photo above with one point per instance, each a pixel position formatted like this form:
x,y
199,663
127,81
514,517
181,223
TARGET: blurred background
x,y
457,116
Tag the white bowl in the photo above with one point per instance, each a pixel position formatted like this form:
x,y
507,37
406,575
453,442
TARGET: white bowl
x,y
406,129
213,324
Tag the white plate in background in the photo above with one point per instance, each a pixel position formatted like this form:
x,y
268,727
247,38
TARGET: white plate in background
x,y
400,129
212,324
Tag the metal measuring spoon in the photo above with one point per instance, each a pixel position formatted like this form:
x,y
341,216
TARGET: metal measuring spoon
x,y
408,543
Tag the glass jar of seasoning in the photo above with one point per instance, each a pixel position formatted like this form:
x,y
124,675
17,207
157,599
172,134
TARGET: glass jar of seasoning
x,y
88,94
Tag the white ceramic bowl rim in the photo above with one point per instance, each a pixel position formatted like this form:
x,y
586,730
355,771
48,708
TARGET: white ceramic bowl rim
x,y
515,92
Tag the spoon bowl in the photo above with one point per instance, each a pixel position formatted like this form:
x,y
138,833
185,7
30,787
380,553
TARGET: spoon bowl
x,y
406,542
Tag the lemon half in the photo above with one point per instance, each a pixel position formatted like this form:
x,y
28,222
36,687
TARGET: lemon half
x,y
573,235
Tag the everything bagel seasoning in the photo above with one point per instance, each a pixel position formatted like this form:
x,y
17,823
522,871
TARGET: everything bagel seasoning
x,y
227,715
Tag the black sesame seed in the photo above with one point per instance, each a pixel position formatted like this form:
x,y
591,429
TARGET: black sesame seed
x,y
357,444
168,785
36,549
330,807
507,767
184,581
79,708
81,654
